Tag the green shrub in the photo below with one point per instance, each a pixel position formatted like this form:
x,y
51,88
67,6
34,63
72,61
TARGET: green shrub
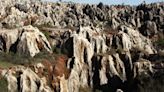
x,y
14,58
57,50
47,35
4,64
151,84
160,43
3,85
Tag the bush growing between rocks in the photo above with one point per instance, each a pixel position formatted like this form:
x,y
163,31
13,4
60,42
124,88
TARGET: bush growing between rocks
x,y
151,84
160,43
10,59
14,58
3,85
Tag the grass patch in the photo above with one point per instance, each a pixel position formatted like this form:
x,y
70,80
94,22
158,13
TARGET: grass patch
x,y
3,85
4,64
47,34
10,59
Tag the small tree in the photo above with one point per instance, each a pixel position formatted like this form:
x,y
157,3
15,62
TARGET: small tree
x,y
100,5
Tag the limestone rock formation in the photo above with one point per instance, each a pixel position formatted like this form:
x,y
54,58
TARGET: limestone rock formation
x,y
27,40
107,48
40,77
92,60
133,39
16,13
32,41
141,66
25,81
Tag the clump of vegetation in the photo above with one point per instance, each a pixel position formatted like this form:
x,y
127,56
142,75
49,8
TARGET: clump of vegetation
x,y
47,34
3,85
4,64
57,50
85,89
44,56
160,42
151,84
13,58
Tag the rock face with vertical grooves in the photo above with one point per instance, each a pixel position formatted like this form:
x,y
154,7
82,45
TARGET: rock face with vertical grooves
x,y
91,62
106,48
26,40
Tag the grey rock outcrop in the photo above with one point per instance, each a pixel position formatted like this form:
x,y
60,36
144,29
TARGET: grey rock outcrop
x,y
15,13
91,57
27,40
133,39
107,46
27,80
141,66
91,62
149,29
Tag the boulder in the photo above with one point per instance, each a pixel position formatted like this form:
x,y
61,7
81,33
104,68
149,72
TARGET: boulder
x,y
142,68
136,40
14,19
32,41
27,40
24,79
7,39
11,80
149,29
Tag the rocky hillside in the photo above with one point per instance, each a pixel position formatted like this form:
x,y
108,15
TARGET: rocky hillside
x,y
82,47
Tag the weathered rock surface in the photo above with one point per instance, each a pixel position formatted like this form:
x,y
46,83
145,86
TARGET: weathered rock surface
x,y
40,77
91,63
93,60
108,47
15,13
25,81
26,40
